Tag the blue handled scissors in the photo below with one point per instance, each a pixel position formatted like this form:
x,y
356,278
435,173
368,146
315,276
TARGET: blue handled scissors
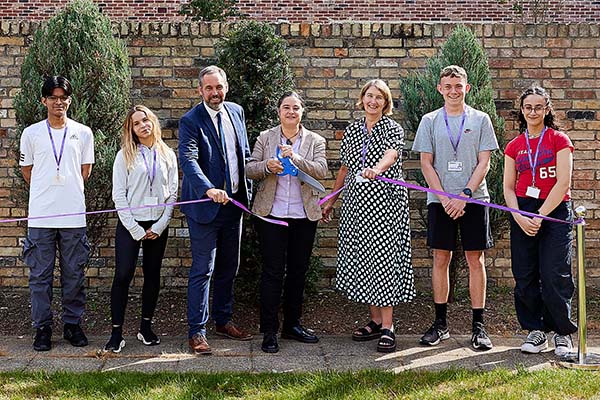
x,y
290,169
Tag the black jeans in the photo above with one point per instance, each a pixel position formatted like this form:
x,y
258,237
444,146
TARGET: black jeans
x,y
126,255
286,254
541,266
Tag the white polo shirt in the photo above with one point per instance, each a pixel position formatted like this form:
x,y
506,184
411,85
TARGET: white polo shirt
x,y
46,198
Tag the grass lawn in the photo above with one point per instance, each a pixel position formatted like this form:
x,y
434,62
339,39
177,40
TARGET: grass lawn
x,y
450,384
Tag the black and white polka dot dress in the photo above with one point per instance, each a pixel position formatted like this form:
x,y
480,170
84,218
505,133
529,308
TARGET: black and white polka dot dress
x,y
374,255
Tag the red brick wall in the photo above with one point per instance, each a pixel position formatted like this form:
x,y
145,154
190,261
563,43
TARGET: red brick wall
x,y
309,11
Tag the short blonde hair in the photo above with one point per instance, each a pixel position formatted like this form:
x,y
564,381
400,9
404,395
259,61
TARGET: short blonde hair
x,y
383,88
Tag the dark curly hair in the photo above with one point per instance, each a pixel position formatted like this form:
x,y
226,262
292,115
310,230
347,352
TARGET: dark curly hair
x,y
549,119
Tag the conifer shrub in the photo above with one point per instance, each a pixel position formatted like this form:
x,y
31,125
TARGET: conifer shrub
x,y
78,44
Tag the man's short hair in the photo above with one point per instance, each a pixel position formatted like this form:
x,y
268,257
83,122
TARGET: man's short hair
x,y
453,71
56,82
212,69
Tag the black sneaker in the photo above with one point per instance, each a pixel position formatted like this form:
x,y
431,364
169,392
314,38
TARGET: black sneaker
x,y
149,338
435,335
115,343
479,339
43,339
74,334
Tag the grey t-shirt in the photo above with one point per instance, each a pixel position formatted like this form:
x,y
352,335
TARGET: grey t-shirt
x,y
478,135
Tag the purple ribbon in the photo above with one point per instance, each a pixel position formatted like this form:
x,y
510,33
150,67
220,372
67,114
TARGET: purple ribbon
x,y
456,196
460,131
58,157
151,175
177,203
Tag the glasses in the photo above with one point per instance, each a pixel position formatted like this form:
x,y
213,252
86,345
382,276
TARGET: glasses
x,y
538,109
64,99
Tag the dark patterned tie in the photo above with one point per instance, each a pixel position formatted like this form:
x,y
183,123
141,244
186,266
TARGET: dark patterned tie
x,y
224,146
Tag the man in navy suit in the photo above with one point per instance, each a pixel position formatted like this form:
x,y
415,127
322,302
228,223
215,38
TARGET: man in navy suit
x,y
213,148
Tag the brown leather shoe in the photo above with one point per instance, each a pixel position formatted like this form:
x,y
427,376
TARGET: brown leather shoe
x,y
199,345
231,331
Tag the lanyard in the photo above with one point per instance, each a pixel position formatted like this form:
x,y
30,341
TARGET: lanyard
x,y
460,131
57,157
533,163
365,146
151,174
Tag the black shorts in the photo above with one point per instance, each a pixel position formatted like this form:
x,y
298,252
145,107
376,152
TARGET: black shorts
x,y
475,231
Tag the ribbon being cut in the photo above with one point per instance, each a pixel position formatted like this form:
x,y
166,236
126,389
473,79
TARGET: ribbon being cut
x,y
177,203
455,196
322,201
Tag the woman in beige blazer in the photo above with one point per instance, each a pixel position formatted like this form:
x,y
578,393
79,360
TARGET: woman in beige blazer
x,y
286,250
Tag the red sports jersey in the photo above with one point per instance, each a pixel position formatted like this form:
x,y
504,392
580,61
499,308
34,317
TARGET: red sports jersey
x,y
545,179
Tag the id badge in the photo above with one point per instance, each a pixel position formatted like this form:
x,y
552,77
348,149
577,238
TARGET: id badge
x,y
150,200
58,180
455,166
360,178
533,192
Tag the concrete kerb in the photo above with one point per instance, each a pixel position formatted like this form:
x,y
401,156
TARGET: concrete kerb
x,y
332,353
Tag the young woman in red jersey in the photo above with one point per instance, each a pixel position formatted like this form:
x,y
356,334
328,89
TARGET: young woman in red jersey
x,y
538,166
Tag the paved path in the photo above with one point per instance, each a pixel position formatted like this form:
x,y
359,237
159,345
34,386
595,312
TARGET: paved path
x,y
331,353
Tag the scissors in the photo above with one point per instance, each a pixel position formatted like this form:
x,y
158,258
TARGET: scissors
x,y
291,169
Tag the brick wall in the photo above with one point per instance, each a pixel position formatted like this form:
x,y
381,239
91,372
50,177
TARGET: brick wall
x,y
331,62
310,11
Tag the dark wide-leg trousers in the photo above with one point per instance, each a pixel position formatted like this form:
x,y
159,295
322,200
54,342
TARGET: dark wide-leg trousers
x,y
286,255
541,266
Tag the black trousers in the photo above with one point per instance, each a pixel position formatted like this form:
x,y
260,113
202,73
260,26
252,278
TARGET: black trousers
x,y
541,266
126,255
286,255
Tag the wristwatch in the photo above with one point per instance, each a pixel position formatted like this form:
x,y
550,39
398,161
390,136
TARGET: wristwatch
x,y
468,192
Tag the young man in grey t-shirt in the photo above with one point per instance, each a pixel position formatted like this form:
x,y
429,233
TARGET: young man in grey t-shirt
x,y
455,143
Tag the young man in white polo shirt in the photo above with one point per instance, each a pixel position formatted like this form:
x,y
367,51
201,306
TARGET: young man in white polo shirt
x,y
56,158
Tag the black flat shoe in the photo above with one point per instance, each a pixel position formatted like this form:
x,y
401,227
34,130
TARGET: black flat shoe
x,y
269,343
301,334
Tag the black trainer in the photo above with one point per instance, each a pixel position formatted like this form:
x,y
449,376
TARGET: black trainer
x,y
435,335
480,339
74,334
115,343
43,339
148,337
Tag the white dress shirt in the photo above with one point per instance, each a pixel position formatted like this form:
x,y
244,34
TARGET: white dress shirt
x,y
230,142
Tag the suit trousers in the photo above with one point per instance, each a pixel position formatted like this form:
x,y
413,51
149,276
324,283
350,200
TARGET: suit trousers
x,y
541,266
39,253
286,255
215,253
126,255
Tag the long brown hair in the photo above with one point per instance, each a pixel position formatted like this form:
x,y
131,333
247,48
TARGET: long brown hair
x,y
130,141
549,119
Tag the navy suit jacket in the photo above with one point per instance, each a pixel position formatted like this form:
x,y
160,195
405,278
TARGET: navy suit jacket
x,y
203,162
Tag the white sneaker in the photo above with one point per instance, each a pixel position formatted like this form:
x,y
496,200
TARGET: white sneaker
x,y
563,344
536,342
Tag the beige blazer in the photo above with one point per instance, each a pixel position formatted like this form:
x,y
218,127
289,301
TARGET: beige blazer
x,y
310,159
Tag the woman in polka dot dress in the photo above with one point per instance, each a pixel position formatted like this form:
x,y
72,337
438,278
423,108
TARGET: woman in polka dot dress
x,y
374,257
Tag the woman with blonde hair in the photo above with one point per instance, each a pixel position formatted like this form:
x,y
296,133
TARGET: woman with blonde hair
x,y
144,175
374,258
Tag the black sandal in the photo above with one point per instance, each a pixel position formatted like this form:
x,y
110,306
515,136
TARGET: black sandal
x,y
387,341
369,332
